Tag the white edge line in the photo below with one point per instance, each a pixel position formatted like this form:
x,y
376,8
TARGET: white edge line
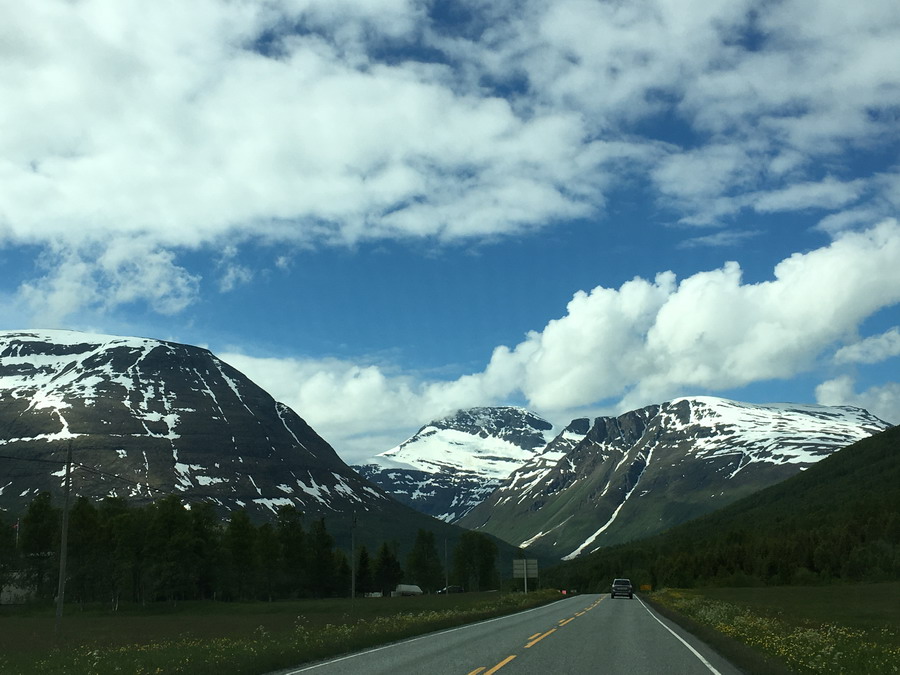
x,y
416,639
682,640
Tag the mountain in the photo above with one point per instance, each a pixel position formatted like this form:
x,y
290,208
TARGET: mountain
x,y
145,418
647,470
452,464
837,521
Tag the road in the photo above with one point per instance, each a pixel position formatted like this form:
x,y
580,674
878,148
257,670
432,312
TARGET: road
x,y
583,634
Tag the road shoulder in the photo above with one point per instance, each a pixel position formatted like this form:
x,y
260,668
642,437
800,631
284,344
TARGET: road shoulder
x,y
745,658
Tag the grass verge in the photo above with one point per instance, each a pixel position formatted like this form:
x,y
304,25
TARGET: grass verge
x,y
830,629
234,638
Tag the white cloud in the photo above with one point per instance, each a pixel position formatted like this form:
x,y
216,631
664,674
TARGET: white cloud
x,y
711,330
874,349
91,279
644,342
723,238
825,194
882,401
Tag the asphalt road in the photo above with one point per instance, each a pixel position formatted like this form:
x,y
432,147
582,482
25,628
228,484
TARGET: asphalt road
x,y
583,634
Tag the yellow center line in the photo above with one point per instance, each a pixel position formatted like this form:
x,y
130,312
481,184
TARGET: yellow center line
x,y
534,636
579,613
476,671
539,638
565,621
500,665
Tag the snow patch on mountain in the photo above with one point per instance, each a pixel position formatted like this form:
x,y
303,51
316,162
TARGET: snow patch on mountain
x,y
149,417
454,463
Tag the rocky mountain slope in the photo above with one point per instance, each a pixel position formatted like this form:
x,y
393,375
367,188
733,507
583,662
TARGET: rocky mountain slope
x,y
146,418
650,469
452,464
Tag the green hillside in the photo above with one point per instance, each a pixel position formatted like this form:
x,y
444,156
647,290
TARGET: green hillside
x,y
837,521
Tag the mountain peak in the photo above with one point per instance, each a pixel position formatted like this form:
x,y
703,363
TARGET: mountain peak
x,y
454,462
148,417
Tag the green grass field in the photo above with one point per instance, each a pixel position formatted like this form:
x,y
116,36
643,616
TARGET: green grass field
x,y
851,628
865,607
215,637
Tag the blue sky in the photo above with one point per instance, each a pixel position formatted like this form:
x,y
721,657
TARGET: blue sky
x,y
382,211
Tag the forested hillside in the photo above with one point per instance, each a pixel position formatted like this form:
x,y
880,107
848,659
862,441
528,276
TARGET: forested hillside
x,y
837,521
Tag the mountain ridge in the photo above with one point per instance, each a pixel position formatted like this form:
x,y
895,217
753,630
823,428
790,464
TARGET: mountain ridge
x,y
647,470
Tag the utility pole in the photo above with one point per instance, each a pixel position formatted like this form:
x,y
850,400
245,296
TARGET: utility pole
x,y
64,543
353,560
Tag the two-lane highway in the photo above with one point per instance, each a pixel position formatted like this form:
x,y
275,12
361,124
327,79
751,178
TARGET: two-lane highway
x,y
582,634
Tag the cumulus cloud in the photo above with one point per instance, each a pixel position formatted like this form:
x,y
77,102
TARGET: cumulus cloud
x,y
646,341
318,121
874,349
622,348
882,401
88,279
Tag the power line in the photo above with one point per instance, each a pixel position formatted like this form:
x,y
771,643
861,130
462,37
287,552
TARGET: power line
x,y
90,469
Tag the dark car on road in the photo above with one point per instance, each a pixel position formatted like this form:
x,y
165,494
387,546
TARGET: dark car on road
x,y
452,589
622,588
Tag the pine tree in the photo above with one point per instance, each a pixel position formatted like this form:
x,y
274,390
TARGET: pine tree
x,y
269,553
289,526
240,546
386,572
423,565
320,561
363,572
475,561
39,542
86,551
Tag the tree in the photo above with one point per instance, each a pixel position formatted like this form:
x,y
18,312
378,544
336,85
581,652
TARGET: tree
x,y
320,561
38,542
423,565
386,572
87,551
127,529
270,564
363,572
170,551
475,561
241,553
341,568
7,551
289,527
206,539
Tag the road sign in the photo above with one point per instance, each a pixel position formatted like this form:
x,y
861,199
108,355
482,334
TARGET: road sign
x,y
525,569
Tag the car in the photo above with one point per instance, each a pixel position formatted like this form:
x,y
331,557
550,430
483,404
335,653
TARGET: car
x,y
452,589
622,587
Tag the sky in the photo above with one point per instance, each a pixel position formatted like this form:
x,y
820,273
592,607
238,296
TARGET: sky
x,y
382,211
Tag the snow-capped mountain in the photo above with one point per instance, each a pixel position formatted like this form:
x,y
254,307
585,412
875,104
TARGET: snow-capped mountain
x,y
146,418
454,463
650,469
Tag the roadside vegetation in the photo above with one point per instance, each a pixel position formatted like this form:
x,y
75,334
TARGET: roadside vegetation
x,y
838,629
239,638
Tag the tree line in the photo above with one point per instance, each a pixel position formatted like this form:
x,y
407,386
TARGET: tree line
x,y
167,551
